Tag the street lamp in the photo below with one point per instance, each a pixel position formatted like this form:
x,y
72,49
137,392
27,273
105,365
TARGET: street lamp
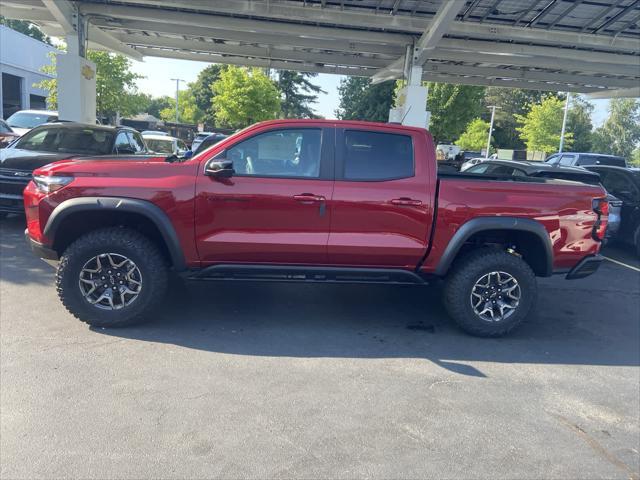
x,y
493,114
177,80
564,122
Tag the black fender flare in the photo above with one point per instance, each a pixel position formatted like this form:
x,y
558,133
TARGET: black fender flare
x,y
480,224
120,204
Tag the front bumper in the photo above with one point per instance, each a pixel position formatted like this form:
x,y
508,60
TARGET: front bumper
x,y
39,249
585,267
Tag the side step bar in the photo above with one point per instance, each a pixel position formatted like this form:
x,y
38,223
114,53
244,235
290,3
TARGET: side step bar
x,y
284,273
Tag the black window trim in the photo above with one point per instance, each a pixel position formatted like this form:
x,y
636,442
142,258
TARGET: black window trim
x,y
340,150
327,148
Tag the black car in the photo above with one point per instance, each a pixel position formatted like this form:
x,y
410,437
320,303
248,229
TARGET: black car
x,y
624,183
578,159
58,141
514,168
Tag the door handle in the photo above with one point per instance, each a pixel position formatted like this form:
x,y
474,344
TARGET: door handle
x,y
405,201
308,198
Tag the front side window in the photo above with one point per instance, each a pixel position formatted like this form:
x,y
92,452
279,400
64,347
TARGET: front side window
x,y
122,144
377,156
279,153
136,142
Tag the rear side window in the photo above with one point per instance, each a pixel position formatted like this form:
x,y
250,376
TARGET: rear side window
x,y
376,156
601,160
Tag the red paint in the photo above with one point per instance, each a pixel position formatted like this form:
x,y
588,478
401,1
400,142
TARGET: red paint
x,y
323,222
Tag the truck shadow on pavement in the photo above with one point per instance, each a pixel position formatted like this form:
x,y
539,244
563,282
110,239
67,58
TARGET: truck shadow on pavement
x,y
579,322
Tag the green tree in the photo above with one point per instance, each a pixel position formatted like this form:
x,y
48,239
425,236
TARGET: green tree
x,y
474,137
297,93
158,104
579,123
203,91
540,128
510,102
635,157
188,111
244,96
452,107
26,28
116,89
360,100
620,133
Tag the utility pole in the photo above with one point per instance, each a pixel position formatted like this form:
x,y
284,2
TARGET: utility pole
x,y
493,114
564,122
177,80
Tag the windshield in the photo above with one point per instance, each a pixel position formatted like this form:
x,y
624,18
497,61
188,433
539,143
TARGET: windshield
x,y
29,119
4,128
86,141
159,146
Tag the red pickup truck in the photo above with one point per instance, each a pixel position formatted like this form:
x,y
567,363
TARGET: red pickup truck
x,y
309,201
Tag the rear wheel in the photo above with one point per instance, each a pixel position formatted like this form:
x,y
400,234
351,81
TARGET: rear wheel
x,y
112,277
489,292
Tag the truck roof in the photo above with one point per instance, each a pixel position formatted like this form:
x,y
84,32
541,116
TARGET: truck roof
x,y
356,123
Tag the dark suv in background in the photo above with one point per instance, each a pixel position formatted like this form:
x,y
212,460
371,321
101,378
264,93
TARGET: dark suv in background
x,y
577,159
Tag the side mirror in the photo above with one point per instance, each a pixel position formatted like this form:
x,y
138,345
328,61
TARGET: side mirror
x,y
187,154
219,168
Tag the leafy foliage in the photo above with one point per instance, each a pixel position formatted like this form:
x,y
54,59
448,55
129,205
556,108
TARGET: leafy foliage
x,y
360,100
620,133
188,111
540,128
156,105
474,137
511,102
203,92
297,93
452,107
244,96
635,157
26,28
579,123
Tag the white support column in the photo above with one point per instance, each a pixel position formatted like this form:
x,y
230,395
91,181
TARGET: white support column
x,y
76,85
411,101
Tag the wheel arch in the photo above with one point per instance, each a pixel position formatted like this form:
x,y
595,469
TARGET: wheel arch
x,y
144,215
530,233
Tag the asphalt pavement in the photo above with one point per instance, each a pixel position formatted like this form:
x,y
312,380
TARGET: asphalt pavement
x,y
248,380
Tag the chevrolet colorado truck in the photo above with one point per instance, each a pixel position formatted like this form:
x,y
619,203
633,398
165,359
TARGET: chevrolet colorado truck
x,y
309,201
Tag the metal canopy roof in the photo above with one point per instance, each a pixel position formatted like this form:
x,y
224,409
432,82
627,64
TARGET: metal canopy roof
x,y
590,46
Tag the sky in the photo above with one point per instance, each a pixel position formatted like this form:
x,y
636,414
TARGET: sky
x,y
158,73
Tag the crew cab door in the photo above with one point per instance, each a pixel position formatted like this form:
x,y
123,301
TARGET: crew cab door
x,y
273,209
382,205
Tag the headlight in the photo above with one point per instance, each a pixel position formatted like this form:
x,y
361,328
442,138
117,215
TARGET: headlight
x,y
49,184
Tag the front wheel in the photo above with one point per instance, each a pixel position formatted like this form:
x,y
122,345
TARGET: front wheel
x,y
112,277
489,292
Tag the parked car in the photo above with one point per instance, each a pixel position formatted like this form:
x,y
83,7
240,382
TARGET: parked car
x,y
309,201
544,170
7,135
59,141
24,120
471,162
154,132
578,159
165,144
198,139
209,142
624,183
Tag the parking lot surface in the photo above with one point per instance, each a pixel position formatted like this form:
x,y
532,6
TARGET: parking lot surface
x,y
332,381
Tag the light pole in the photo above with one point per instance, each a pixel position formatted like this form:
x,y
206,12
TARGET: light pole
x,y
493,114
177,80
564,122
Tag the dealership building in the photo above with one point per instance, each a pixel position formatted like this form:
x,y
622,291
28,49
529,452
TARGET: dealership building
x,y
21,62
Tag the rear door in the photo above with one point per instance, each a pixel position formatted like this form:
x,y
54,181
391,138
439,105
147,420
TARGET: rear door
x,y
274,208
381,206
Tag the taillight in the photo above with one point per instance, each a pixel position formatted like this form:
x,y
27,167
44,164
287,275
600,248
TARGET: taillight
x,y
601,207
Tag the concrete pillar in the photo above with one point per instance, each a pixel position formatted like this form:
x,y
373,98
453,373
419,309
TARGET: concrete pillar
x,y
76,85
411,101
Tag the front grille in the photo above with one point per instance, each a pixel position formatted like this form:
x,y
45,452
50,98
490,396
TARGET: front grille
x,y
12,182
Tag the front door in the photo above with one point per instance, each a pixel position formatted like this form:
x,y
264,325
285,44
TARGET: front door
x,y
381,205
274,208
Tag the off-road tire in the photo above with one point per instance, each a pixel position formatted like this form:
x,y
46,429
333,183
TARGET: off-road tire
x,y
467,270
123,241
